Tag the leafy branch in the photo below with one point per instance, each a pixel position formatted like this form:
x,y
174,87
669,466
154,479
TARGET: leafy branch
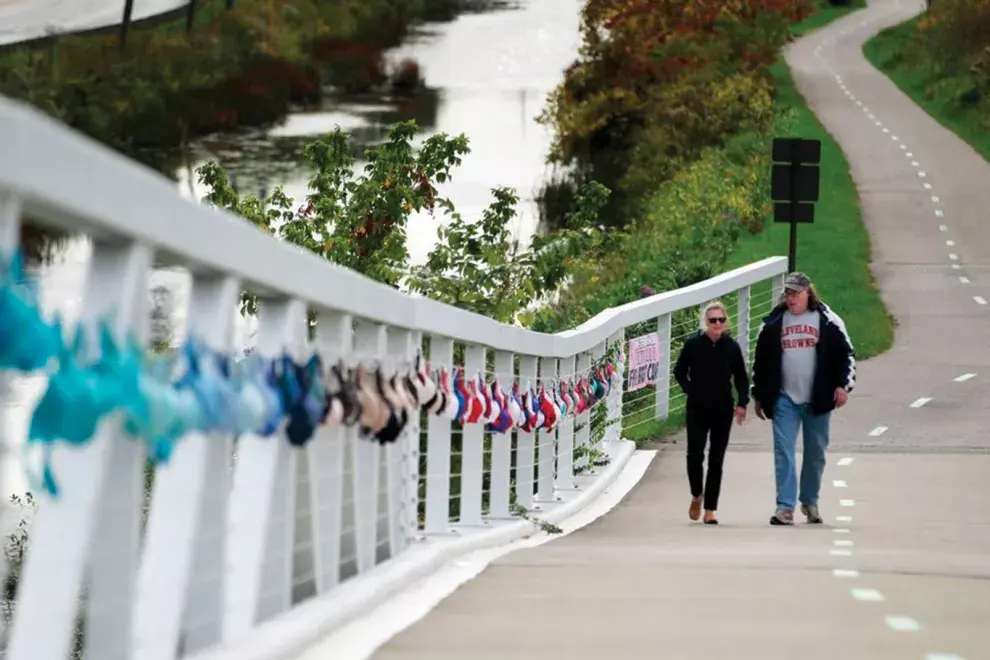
x,y
360,221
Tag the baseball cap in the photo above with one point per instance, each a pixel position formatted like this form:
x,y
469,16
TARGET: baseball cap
x,y
796,282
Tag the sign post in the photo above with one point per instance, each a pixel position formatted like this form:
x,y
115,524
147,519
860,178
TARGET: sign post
x,y
794,185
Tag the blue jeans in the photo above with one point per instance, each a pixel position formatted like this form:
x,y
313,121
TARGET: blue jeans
x,y
788,417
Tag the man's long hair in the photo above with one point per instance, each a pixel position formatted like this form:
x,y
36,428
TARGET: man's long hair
x,y
814,302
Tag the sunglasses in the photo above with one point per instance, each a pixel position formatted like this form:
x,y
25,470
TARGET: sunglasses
x,y
716,319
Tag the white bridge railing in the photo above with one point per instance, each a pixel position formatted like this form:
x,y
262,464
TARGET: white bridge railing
x,y
255,548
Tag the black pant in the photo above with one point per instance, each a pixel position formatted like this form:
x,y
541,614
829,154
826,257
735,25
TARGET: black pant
x,y
702,425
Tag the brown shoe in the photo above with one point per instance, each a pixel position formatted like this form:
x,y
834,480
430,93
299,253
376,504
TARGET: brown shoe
x,y
710,518
695,510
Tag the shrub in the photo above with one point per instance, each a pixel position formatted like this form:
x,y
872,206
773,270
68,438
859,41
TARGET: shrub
x,y
639,101
687,230
241,67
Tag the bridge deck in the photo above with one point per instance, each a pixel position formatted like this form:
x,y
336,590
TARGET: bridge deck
x,y
645,582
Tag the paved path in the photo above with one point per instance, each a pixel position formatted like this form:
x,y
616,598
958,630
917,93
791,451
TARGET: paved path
x,y
24,20
901,569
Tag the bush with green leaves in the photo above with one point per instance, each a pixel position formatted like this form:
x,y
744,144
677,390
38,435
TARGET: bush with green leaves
x,y
360,220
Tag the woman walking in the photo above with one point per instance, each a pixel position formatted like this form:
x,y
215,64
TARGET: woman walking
x,y
708,364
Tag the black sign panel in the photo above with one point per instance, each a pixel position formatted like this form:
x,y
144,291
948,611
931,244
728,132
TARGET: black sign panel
x,y
794,183
797,150
785,212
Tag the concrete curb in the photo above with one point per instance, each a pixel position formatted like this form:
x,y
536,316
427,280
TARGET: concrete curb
x,y
295,630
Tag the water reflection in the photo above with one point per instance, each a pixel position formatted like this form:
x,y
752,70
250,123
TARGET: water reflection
x,y
487,75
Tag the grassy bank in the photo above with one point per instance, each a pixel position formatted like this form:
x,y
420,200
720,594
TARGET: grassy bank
x,y
940,59
239,67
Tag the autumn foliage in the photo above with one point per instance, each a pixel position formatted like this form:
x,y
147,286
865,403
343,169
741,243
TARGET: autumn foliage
x,y
658,81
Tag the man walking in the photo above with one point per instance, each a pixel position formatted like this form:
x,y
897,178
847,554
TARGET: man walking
x,y
803,369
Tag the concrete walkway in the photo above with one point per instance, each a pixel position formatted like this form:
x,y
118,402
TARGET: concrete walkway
x,y
901,569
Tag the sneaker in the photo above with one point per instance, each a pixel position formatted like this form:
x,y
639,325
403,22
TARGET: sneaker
x,y
811,512
782,517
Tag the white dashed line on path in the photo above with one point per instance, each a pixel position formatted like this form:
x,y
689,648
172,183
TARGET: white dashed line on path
x,y
927,186
939,213
963,378
847,502
842,543
980,300
868,595
963,279
942,227
953,256
935,199
845,573
843,519
956,266
841,553
880,430
943,656
845,460
841,530
921,401
902,624
950,243
839,483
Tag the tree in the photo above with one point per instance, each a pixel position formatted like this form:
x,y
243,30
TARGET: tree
x,y
359,221
481,267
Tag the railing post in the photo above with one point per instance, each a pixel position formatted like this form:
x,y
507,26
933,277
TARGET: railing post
x,y
501,445
413,453
526,442
326,455
565,437
180,581
261,515
95,522
10,222
613,419
401,353
472,448
546,440
582,435
438,450
776,289
663,369
10,230
743,323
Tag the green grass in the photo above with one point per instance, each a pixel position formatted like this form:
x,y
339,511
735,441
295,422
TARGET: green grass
x,y
835,250
939,91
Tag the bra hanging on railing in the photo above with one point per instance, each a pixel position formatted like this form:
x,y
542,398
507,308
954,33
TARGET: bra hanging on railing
x,y
161,398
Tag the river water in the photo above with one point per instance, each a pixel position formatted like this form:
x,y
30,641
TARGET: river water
x,y
486,74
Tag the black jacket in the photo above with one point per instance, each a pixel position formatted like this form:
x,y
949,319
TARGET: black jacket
x,y
836,362
705,370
